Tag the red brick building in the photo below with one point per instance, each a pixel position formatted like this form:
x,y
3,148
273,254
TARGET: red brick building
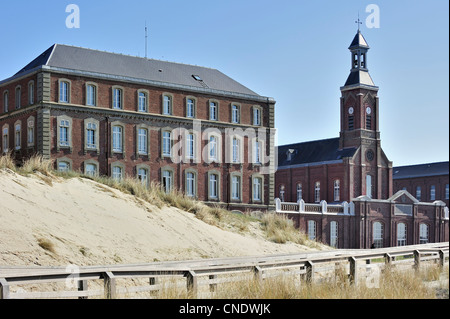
x,y
427,182
340,190
188,127
353,164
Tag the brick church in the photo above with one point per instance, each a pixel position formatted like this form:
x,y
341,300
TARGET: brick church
x,y
341,191
353,164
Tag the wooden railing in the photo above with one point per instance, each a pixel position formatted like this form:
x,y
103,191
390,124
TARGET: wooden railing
x,y
211,272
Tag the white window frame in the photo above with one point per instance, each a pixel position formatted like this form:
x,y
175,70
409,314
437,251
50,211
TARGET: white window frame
x,y
299,191
236,187
143,174
91,94
91,140
166,143
257,188
419,193
64,128
117,172
401,234
64,91
167,107
191,183
424,233
213,185
235,113
18,97
142,134
30,131
117,98
117,138
17,136
142,98
257,115
167,181
312,228
337,190
317,192
378,234
432,192
6,101
191,104
334,234
213,110
31,92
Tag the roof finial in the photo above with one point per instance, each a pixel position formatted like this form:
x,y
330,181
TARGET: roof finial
x,y
358,22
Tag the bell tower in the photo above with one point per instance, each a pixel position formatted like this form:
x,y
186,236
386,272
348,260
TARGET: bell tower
x,y
359,100
370,171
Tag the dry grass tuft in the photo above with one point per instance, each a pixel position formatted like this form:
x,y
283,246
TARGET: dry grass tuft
x,y
46,244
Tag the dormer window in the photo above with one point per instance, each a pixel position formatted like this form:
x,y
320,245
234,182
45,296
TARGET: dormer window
x,y
290,154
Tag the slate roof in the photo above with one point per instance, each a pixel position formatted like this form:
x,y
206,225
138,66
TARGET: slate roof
x,y
359,41
421,170
313,152
88,60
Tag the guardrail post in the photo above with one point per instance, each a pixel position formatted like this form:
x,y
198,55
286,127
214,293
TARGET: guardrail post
x,y
4,289
309,265
212,287
353,271
441,258
192,285
388,259
258,273
82,286
110,285
416,260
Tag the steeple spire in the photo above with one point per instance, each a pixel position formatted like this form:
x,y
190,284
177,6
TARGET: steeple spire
x,y
359,73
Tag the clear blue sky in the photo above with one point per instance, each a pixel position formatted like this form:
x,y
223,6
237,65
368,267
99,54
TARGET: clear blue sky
x,y
293,51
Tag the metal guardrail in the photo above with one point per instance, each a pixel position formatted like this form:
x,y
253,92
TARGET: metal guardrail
x,y
211,272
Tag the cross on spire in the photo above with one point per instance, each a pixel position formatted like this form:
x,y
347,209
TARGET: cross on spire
x,y
358,22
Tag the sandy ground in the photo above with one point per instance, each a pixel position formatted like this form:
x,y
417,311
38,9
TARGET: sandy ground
x,y
92,224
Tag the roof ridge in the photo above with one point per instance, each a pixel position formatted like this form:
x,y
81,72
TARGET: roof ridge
x,y
432,163
133,56
325,139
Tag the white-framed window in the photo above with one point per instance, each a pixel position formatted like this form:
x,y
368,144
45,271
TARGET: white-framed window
x,y
213,148
191,184
317,192
281,192
117,98
190,145
337,191
401,234
190,107
142,101
369,186
167,180
5,133
423,234
117,132
299,191
64,87
117,173
334,234
167,143
90,169
447,191
378,235
432,192
91,95
236,148
31,93
5,102
213,111
235,114
257,189
213,186
256,116
167,104
18,97
142,141
143,175
64,131
236,187
418,193
91,129
311,230
63,166
257,151
30,132
17,136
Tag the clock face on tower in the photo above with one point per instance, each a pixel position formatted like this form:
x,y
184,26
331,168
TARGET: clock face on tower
x,y
368,110
350,110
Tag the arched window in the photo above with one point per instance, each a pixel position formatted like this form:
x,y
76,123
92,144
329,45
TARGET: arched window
x,y
337,191
401,234
423,234
317,192
378,234
369,186
299,192
334,234
311,230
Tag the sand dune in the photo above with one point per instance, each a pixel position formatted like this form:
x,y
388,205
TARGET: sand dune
x,y
88,223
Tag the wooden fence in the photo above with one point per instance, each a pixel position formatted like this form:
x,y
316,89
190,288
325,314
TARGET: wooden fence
x,y
209,273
